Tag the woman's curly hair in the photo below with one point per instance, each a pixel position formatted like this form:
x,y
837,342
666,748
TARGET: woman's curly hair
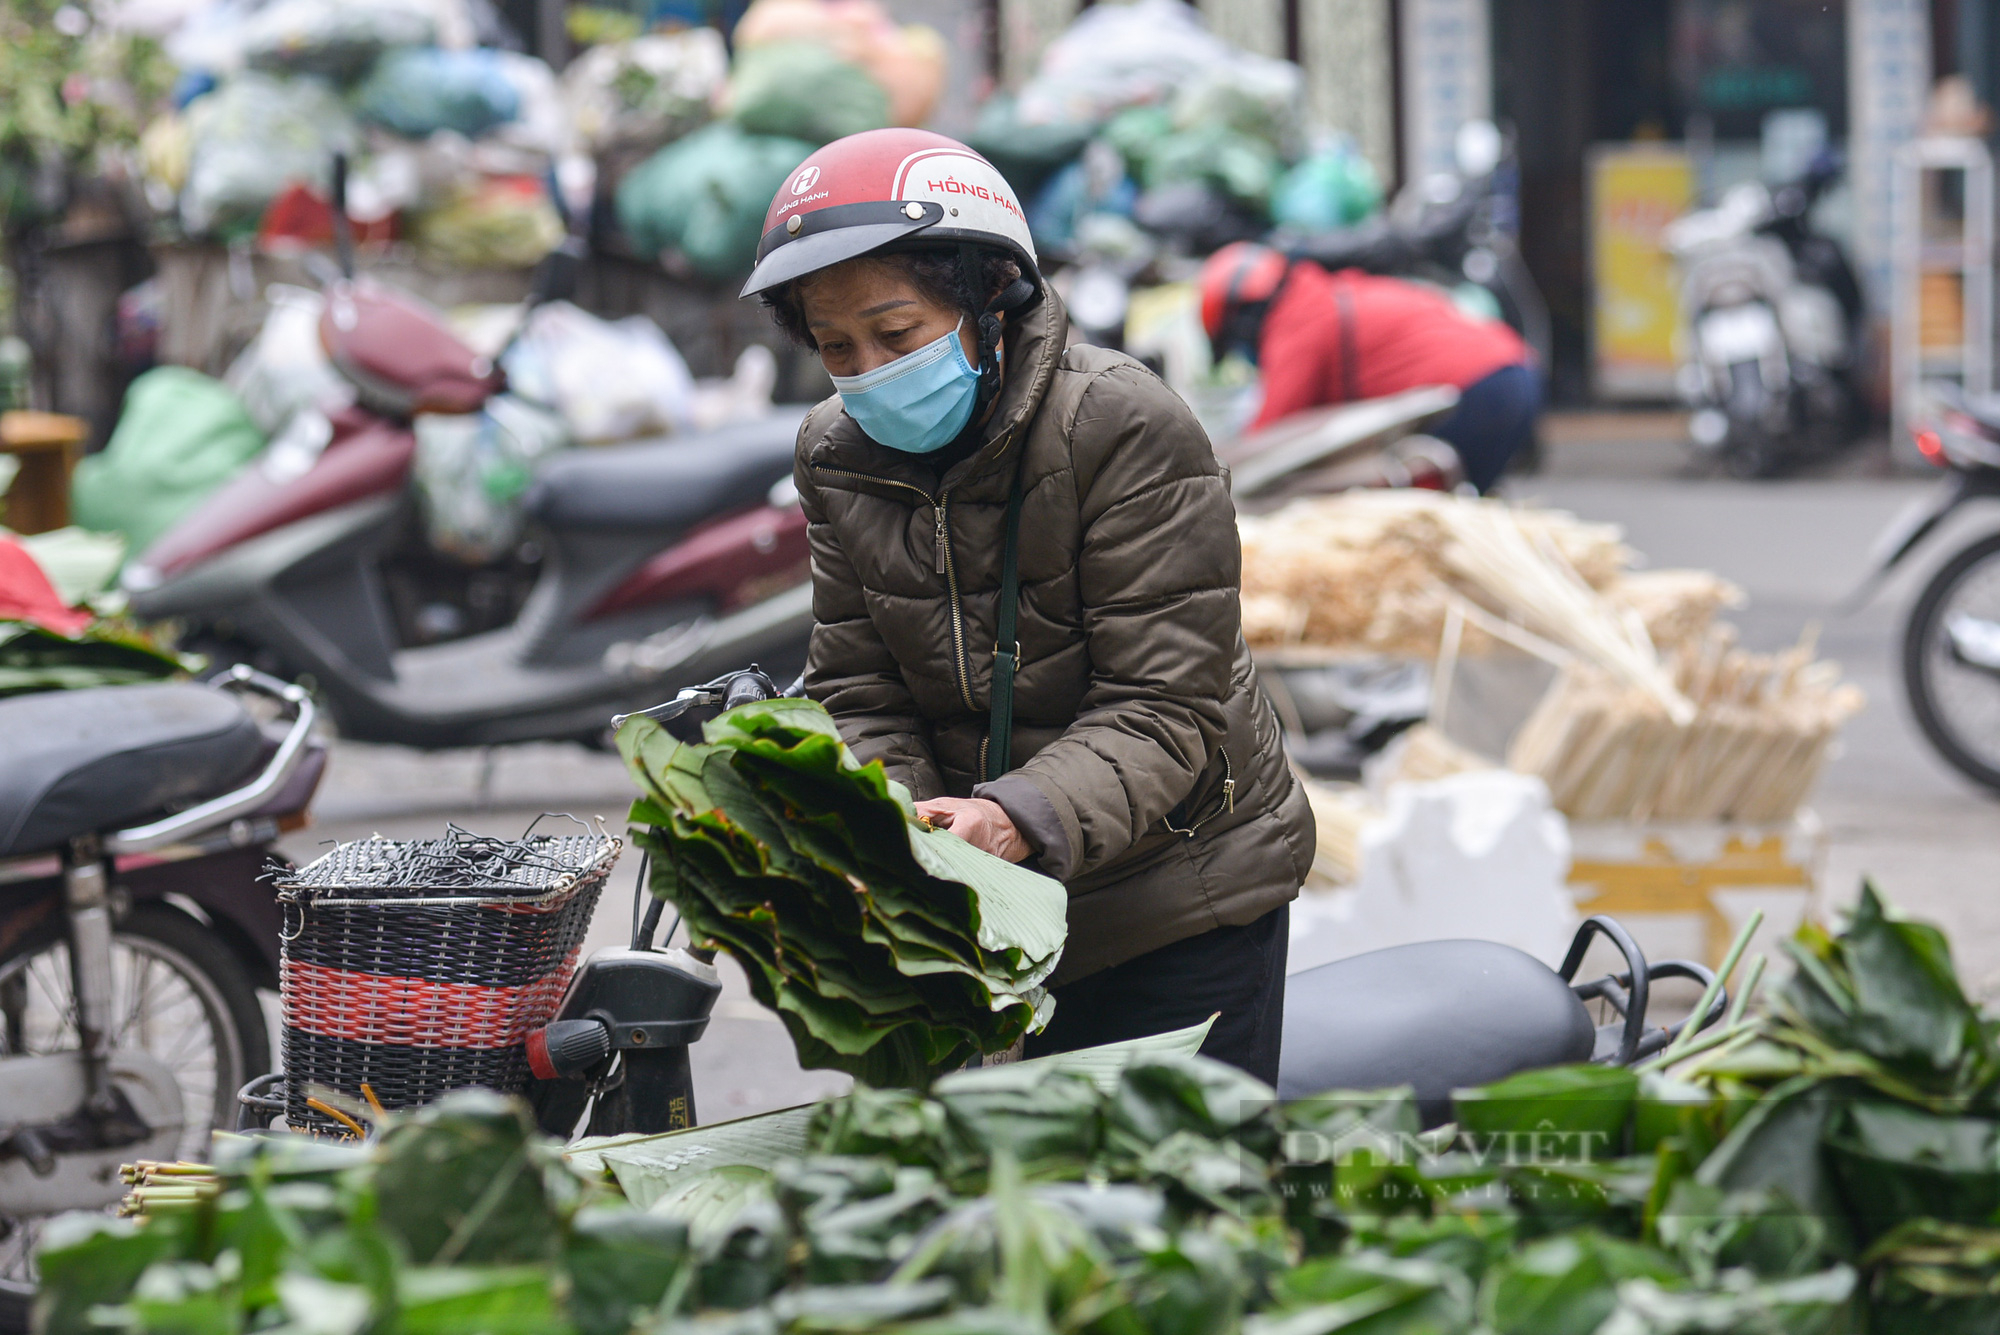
x,y
932,270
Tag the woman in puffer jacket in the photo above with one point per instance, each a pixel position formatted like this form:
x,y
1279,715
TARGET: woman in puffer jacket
x,y
1118,740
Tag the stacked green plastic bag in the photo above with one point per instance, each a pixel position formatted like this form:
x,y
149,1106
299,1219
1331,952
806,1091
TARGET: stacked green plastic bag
x,y
702,199
180,436
801,90
890,950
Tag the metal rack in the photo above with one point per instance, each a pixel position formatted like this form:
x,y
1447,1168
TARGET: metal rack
x,y
1939,262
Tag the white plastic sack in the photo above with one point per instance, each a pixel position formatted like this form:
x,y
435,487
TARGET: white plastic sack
x,y
1251,94
153,18
1118,56
338,39
742,396
639,94
285,370
212,34
454,21
387,181
208,37
449,166
1480,856
543,121
251,138
472,473
609,381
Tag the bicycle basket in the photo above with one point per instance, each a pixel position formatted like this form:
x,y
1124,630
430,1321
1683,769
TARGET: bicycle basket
x,y
419,967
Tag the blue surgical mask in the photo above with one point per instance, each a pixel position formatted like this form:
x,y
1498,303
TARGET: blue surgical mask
x,y
917,403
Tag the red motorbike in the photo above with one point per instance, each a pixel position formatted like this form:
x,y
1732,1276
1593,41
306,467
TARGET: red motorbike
x,y
656,565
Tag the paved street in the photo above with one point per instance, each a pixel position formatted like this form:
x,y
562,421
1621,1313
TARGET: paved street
x,y
1892,810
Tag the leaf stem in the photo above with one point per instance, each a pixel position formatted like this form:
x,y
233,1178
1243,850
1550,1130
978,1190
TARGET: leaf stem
x,y
1715,1038
1736,948
1751,978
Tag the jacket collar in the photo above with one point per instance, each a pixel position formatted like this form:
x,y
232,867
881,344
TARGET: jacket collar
x,y
1034,345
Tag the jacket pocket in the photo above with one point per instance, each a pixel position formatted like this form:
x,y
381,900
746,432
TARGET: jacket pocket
x,y
1187,818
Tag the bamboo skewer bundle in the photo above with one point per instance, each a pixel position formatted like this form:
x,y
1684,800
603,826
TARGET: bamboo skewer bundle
x,y
1677,606
1376,572
1492,550
1656,713
1365,570
1763,727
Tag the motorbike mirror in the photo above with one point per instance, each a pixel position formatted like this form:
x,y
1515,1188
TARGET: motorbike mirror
x,y
1479,147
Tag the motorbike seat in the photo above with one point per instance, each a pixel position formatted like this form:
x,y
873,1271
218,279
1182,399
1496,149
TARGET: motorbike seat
x,y
1437,1015
668,485
97,759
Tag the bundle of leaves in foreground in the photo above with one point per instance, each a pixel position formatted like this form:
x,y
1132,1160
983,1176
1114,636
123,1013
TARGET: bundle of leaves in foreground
x,y
106,653
890,950
1836,1176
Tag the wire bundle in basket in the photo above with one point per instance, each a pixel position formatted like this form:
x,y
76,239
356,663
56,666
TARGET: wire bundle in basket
x,y
417,967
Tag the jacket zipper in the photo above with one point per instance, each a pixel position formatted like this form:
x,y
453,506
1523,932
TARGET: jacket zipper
x,y
941,505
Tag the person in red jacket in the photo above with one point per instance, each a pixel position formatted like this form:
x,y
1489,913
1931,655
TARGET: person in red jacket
x,y
1320,338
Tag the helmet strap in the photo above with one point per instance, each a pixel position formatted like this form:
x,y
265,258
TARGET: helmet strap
x,y
1013,296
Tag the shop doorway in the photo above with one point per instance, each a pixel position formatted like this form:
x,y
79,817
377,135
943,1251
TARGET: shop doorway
x,y
1569,74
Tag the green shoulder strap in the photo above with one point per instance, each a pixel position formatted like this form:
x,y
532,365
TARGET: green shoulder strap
x,y
1007,648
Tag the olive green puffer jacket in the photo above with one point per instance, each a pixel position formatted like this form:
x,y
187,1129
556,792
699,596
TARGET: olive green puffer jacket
x,y
1137,717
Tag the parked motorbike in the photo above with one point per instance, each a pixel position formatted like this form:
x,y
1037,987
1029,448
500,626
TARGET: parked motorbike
x,y
659,563
1771,314
135,825
1438,1015
1456,231
1345,447
1951,641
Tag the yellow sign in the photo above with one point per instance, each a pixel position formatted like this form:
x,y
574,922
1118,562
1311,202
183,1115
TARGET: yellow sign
x,y
1635,191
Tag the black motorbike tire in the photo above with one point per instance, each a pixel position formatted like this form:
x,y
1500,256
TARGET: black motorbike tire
x,y
201,951
1919,632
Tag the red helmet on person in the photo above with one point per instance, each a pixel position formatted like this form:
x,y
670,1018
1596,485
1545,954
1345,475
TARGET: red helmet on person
x,y
1238,284
885,190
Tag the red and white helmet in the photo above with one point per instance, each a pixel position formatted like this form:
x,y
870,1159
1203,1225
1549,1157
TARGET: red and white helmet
x,y
886,190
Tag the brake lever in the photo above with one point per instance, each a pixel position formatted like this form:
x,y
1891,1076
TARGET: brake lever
x,y
674,708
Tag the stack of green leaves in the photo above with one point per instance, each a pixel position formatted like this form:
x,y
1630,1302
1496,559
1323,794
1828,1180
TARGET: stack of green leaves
x,y
890,950
106,653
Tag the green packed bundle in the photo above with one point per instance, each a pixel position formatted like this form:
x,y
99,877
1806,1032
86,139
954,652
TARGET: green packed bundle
x,y
891,950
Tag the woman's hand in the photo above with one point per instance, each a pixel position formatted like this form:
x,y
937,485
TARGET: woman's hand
x,y
979,822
